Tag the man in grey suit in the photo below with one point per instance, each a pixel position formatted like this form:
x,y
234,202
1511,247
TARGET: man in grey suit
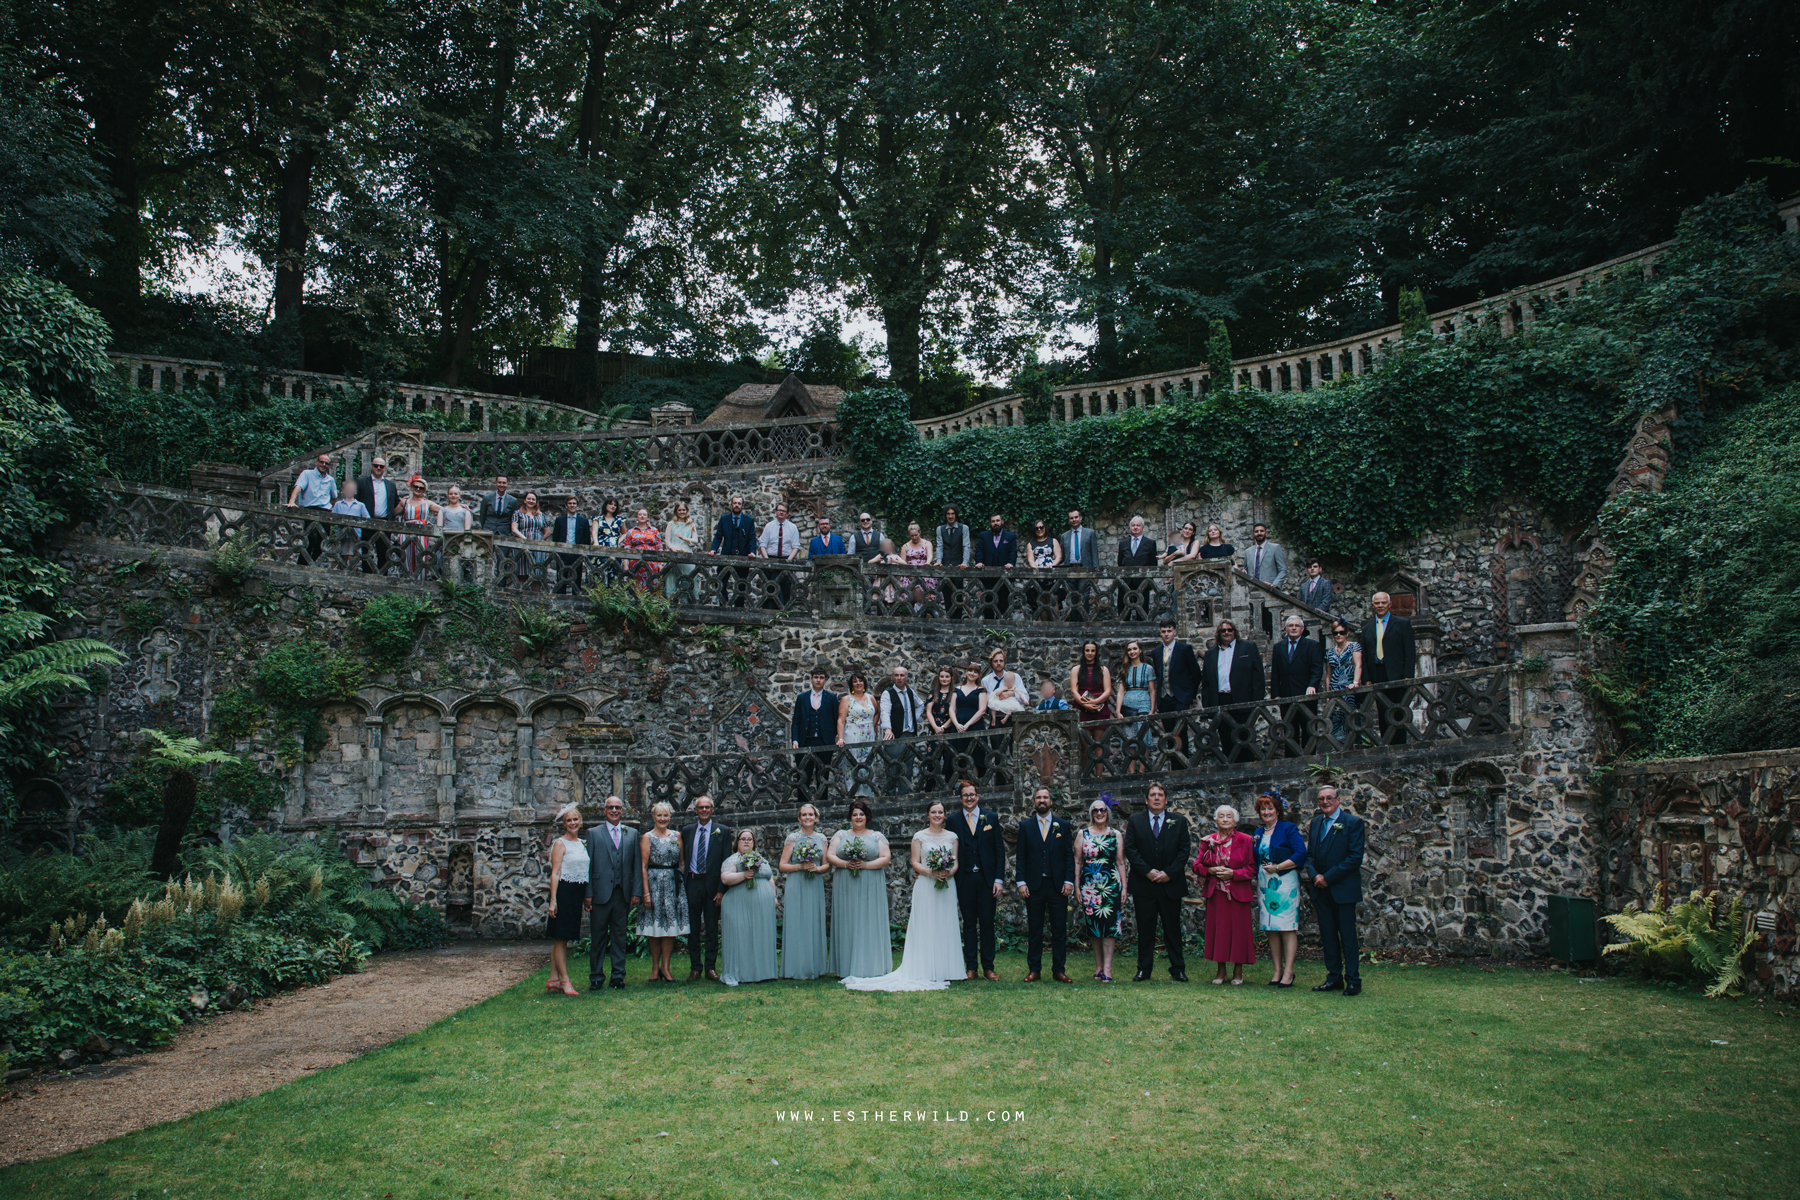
x,y
1078,551
1263,559
615,883
1315,589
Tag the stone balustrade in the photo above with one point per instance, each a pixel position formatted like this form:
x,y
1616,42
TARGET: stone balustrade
x,y
1295,370
489,410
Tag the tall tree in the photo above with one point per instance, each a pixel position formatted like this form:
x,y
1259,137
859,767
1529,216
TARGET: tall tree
x,y
894,171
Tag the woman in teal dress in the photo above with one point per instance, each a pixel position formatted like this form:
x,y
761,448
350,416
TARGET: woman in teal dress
x,y
803,870
746,916
1137,697
1103,885
861,946
1343,659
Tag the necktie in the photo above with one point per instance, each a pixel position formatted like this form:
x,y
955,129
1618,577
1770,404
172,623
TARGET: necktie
x,y
1044,829
615,835
1076,538
1155,826
780,534
1380,633
1292,646
700,848
1257,569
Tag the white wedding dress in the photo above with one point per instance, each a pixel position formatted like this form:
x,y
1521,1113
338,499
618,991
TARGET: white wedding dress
x,y
933,955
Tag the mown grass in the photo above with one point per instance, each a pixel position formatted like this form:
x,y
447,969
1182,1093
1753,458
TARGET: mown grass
x,y
1449,1081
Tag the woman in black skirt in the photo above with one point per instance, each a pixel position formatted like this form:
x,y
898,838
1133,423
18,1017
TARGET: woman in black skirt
x,y
568,889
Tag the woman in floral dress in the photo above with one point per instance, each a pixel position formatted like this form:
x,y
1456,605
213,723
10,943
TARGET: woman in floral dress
x,y
643,536
665,914
607,531
1103,885
529,524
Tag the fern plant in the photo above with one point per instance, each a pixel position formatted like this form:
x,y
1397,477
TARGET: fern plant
x,y
180,758
539,628
234,558
1691,940
34,670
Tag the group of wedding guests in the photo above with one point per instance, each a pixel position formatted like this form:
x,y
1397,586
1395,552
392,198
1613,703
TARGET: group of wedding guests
x,y
712,885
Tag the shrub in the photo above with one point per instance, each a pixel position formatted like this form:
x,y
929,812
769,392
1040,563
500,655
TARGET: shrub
x,y
1691,941
389,625
234,558
539,628
237,713
623,605
296,677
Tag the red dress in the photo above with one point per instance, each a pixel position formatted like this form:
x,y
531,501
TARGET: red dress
x,y
1229,903
643,539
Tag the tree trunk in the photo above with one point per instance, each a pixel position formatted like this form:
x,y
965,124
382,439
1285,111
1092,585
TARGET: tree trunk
x,y
468,313
120,282
902,324
293,233
587,135
179,794
1106,321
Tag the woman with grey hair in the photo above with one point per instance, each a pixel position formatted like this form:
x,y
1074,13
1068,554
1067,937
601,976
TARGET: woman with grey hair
x,y
665,914
1226,866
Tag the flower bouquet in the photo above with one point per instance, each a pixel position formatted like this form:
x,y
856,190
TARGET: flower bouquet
x,y
940,858
854,850
750,863
806,854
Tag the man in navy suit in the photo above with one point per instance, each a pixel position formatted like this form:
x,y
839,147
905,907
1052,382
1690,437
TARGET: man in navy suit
x,y
825,541
814,724
980,873
571,529
1296,665
735,535
1046,880
705,845
1334,852
998,547
1157,847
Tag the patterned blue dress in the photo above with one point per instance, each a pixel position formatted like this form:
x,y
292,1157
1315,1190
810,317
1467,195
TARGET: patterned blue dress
x,y
1341,664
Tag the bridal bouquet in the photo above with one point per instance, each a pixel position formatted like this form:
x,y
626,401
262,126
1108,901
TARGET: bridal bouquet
x,y
750,863
806,854
854,850
940,858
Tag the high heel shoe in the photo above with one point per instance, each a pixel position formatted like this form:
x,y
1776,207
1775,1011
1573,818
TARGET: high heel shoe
x,y
555,985
569,989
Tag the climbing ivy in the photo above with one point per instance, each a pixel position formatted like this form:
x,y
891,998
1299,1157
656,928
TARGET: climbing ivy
x,y
1353,468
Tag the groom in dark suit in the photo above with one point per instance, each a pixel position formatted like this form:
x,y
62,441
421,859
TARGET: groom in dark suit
x,y
1046,879
814,724
1334,853
1157,847
980,872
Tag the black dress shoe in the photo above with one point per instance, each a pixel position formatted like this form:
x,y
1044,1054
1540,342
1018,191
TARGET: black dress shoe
x,y
1178,976
618,983
1330,985
1140,977
1353,989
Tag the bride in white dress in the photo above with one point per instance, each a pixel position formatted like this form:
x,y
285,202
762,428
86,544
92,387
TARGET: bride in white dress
x,y
933,955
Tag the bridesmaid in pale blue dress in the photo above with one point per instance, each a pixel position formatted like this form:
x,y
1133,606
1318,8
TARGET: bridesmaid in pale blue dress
x,y
746,917
1137,696
803,900
861,945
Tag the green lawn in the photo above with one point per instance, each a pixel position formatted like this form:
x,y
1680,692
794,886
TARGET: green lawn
x,y
1435,1082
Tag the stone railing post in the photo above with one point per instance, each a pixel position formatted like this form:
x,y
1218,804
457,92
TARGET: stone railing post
x,y
838,587
524,739
371,750
446,770
1046,753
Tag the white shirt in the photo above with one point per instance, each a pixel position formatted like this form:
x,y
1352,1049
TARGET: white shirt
x,y
574,862
1226,654
815,699
905,703
379,499
613,830
570,523
780,539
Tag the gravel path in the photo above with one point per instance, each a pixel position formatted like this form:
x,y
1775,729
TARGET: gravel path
x,y
252,1050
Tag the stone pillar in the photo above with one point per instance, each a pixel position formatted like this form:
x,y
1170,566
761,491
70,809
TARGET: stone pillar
x,y
523,741
1046,752
371,789
837,581
1425,638
446,769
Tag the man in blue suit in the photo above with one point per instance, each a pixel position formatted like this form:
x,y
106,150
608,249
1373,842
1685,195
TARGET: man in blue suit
x,y
814,724
825,541
1334,849
980,873
1046,880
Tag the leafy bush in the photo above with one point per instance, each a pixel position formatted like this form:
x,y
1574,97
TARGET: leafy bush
x,y
622,605
1691,941
296,677
539,628
234,559
237,713
389,625
1717,550
103,951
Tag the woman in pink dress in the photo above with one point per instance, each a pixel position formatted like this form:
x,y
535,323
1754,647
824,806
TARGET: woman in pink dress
x,y
643,536
916,553
418,509
1226,866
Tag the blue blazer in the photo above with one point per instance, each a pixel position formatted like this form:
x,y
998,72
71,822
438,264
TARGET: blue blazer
x,y
1338,857
1285,843
1042,865
832,544
814,727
